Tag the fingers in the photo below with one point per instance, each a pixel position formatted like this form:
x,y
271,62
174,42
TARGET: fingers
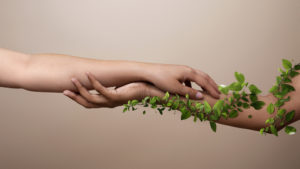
x,y
193,93
99,87
84,92
79,99
205,82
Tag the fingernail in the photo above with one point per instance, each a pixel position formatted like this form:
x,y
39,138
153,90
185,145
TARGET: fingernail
x,y
199,95
66,92
88,73
73,79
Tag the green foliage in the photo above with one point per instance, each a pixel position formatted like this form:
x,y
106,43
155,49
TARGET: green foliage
x,y
286,64
213,126
289,116
239,77
257,105
290,130
233,104
271,108
254,90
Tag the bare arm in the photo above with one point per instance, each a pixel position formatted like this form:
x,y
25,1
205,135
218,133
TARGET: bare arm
x,y
242,121
52,73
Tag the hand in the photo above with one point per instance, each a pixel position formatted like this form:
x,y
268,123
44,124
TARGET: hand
x,y
110,97
170,78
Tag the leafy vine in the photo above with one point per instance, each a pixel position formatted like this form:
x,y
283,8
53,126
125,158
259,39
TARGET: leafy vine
x,y
239,95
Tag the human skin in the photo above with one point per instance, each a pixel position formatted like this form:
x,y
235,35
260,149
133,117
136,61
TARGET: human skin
x,y
257,121
52,73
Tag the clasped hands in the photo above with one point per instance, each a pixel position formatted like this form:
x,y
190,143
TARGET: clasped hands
x,y
176,79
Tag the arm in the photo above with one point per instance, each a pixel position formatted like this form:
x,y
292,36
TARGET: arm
x,y
242,121
52,73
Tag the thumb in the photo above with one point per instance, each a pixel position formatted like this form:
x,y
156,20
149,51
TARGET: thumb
x,y
193,93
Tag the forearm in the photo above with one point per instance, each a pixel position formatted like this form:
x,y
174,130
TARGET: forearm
x,y
258,117
53,73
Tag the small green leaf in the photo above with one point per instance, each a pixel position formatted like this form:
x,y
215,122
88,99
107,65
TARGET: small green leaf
x,y
185,115
290,130
236,86
233,114
261,131
294,73
271,108
213,126
286,64
239,77
134,102
144,112
207,107
249,116
166,97
161,110
224,89
287,87
214,117
187,96
257,105
273,89
273,130
270,121
253,97
246,105
297,67
254,90
280,113
289,116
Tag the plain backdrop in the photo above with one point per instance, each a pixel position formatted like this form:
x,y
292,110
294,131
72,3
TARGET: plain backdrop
x,y
49,131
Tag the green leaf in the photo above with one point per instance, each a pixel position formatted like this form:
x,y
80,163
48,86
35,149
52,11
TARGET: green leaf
x,y
134,102
166,97
270,121
125,109
261,131
287,87
290,130
271,108
257,105
236,95
273,130
201,116
294,73
253,97
144,112
224,89
280,113
213,126
239,77
297,67
254,90
273,89
185,115
289,116
246,105
207,107
249,116
187,96
214,117
236,86
286,64
218,107
161,110
233,114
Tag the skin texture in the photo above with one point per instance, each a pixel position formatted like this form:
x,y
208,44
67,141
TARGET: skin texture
x,y
52,73
121,95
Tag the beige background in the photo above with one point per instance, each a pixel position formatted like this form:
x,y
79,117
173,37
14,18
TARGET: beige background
x,y
49,131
